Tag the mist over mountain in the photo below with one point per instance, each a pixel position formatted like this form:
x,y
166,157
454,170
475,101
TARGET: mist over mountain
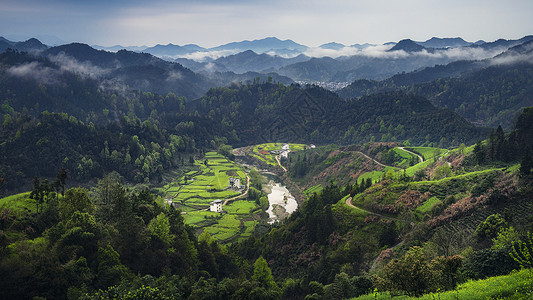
x,y
247,61
475,89
333,62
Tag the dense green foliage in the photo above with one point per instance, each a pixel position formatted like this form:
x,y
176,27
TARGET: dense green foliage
x,y
269,112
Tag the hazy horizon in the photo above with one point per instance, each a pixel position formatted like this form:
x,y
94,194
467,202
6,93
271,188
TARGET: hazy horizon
x,y
210,23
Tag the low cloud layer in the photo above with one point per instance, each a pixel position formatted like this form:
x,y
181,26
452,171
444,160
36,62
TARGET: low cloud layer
x,y
524,56
70,64
36,71
376,51
174,76
52,75
205,56
381,51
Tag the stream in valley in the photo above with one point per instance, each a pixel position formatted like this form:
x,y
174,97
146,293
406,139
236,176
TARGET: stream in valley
x,y
281,202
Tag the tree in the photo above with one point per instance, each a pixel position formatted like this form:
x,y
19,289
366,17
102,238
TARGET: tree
x,y
479,153
506,237
160,229
410,273
526,164
41,192
75,199
523,251
491,226
61,178
263,274
226,150
110,269
442,171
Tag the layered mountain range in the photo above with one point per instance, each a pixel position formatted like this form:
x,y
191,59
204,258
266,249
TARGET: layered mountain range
x,y
409,66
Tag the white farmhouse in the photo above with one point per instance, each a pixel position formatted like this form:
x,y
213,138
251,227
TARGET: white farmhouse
x,y
216,206
234,183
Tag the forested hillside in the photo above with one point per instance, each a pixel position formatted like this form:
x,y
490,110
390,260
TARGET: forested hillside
x,y
489,93
258,113
417,228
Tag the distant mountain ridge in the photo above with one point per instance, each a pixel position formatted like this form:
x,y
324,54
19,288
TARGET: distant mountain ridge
x,y
246,61
262,45
173,50
407,45
436,42
29,45
269,55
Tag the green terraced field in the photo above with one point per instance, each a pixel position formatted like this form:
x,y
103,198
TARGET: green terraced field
x,y
314,189
208,180
227,227
240,207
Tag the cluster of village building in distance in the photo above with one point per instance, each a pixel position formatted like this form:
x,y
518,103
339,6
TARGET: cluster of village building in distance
x,y
234,184
285,149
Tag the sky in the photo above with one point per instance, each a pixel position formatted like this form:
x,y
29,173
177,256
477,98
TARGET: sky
x,y
210,23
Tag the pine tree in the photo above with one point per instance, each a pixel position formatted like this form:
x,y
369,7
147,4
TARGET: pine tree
x,y
526,164
263,274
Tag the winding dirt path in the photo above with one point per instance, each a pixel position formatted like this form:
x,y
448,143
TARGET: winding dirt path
x,y
241,195
410,152
279,163
375,161
349,203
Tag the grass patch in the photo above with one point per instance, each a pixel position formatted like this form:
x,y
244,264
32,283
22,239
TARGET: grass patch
x,y
241,207
517,285
194,217
375,175
18,203
406,157
419,166
427,152
250,226
428,204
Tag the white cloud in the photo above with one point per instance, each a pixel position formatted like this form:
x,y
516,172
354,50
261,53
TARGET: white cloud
x,y
381,51
70,64
36,71
174,76
208,55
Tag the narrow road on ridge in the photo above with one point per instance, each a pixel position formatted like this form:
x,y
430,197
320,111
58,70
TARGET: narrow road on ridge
x,y
349,203
419,156
375,161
